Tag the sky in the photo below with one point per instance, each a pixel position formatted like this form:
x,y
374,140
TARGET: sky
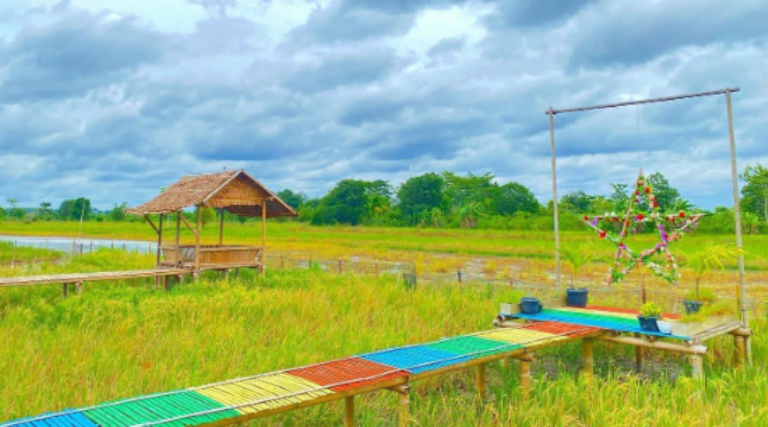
x,y
114,99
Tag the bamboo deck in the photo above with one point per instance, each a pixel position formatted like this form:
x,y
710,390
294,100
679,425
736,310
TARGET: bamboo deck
x,y
242,399
6,282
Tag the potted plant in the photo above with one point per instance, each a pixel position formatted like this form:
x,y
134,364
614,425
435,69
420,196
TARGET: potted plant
x,y
712,257
650,313
576,258
694,301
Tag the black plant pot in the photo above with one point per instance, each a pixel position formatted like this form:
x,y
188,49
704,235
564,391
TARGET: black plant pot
x,y
530,305
649,324
577,297
692,307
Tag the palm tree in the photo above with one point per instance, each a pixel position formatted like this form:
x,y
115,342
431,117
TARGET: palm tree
x,y
712,257
575,258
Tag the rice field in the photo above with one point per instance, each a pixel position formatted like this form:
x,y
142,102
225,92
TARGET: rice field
x,y
123,339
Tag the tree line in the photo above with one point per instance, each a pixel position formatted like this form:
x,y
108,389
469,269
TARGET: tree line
x,y
455,201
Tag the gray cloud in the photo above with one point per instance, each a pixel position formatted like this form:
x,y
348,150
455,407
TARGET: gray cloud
x,y
75,54
352,93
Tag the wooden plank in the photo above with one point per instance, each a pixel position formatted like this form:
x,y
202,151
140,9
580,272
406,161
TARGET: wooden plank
x,y
86,277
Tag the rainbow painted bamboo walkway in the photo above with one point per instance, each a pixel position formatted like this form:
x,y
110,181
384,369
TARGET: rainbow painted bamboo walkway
x,y
261,395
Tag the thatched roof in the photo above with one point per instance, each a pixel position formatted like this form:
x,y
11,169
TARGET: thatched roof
x,y
235,191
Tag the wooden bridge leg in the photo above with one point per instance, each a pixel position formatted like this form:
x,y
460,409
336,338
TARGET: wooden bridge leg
x,y
226,275
525,378
403,404
78,288
349,411
588,356
697,368
638,357
64,290
480,381
740,343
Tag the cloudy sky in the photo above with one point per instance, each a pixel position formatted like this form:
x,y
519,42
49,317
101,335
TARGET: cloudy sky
x,y
113,99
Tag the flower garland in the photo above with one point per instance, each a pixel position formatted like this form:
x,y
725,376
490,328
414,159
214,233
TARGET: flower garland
x,y
635,220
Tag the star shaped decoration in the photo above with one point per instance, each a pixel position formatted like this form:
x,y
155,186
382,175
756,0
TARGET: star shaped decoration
x,y
634,220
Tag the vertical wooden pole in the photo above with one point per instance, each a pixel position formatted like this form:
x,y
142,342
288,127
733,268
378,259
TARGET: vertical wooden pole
x,y
551,114
159,245
587,354
697,368
349,411
78,288
196,273
741,351
263,236
480,381
404,407
638,357
64,290
525,378
736,210
221,228
178,237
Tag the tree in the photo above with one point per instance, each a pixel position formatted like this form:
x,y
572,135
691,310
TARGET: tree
x,y
118,212
294,199
464,190
577,201
45,211
666,195
514,197
75,209
420,193
712,257
207,215
14,211
346,203
755,191
619,197
469,213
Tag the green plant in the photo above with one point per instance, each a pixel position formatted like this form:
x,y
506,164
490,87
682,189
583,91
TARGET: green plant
x,y
704,295
650,309
712,257
716,309
576,258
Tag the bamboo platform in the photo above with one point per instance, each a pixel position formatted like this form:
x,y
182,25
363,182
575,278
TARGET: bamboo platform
x,y
242,399
394,369
79,278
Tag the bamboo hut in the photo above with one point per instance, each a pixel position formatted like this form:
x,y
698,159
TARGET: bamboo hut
x,y
234,191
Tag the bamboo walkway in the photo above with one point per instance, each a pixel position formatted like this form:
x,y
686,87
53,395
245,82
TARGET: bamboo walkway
x,y
242,399
79,278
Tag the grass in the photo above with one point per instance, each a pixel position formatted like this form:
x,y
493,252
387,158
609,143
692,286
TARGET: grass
x,y
9,253
123,339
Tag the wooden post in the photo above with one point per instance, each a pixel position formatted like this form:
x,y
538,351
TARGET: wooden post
x,y
78,288
638,359
91,248
697,368
525,378
64,290
221,228
349,411
505,362
588,356
741,351
263,236
404,406
480,381
196,273
178,237
737,211
551,114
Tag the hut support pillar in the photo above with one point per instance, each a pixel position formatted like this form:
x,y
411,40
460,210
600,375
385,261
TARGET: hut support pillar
x,y
587,353
221,228
196,273
263,255
480,381
349,411
159,244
